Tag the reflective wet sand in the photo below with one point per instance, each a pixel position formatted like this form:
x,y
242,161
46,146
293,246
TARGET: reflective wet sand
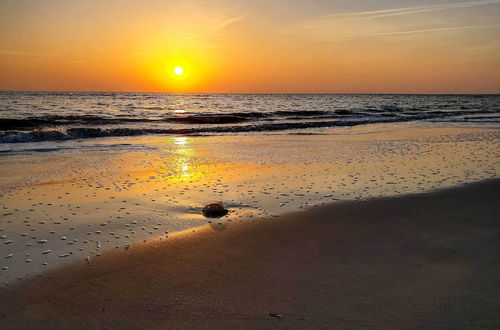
x,y
75,204
408,262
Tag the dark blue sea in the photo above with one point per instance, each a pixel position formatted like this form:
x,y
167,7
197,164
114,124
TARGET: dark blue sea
x,y
32,117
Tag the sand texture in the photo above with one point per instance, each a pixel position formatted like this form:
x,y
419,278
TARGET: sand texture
x,y
57,208
417,261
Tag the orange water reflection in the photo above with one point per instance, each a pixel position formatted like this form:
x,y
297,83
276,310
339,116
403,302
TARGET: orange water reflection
x,y
181,164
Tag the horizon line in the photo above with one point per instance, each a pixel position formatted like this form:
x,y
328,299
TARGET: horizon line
x,y
245,93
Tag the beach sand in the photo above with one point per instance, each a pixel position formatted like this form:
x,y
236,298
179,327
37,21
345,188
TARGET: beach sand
x,y
103,194
417,261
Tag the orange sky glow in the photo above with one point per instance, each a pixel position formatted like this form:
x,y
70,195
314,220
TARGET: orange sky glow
x,y
251,47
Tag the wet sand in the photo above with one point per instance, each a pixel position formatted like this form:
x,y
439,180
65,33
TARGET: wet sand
x,y
57,207
417,261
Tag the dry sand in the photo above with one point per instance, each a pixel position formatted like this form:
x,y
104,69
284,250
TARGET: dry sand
x,y
419,261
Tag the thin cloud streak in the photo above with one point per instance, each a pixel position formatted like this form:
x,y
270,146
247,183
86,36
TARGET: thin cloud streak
x,y
347,26
76,61
230,21
409,32
467,27
407,10
207,30
23,53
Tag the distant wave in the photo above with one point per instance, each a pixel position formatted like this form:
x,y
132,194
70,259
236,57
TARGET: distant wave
x,y
185,118
9,124
32,117
94,132
61,133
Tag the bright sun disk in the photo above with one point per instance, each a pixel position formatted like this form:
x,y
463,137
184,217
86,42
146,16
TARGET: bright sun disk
x,y
179,71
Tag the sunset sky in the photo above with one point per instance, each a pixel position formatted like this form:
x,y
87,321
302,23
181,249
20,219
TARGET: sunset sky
x,y
259,46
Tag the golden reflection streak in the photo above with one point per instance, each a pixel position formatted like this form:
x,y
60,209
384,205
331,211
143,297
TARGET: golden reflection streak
x,y
181,165
181,140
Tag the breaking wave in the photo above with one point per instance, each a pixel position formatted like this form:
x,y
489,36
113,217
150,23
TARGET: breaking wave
x,y
94,132
31,117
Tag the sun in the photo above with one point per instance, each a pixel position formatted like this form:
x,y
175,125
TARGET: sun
x,y
179,71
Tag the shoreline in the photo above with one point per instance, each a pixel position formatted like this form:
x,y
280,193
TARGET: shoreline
x,y
419,260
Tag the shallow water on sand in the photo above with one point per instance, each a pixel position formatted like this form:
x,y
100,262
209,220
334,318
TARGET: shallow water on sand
x,y
110,193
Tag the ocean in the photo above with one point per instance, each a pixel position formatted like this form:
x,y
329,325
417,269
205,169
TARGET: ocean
x,y
34,117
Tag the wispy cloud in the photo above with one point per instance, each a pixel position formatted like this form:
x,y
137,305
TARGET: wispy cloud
x,y
199,34
77,61
210,28
454,28
225,23
373,14
24,53
39,56
375,23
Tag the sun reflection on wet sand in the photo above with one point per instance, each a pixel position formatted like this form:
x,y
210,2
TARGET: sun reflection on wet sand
x,y
180,163
107,201
180,140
